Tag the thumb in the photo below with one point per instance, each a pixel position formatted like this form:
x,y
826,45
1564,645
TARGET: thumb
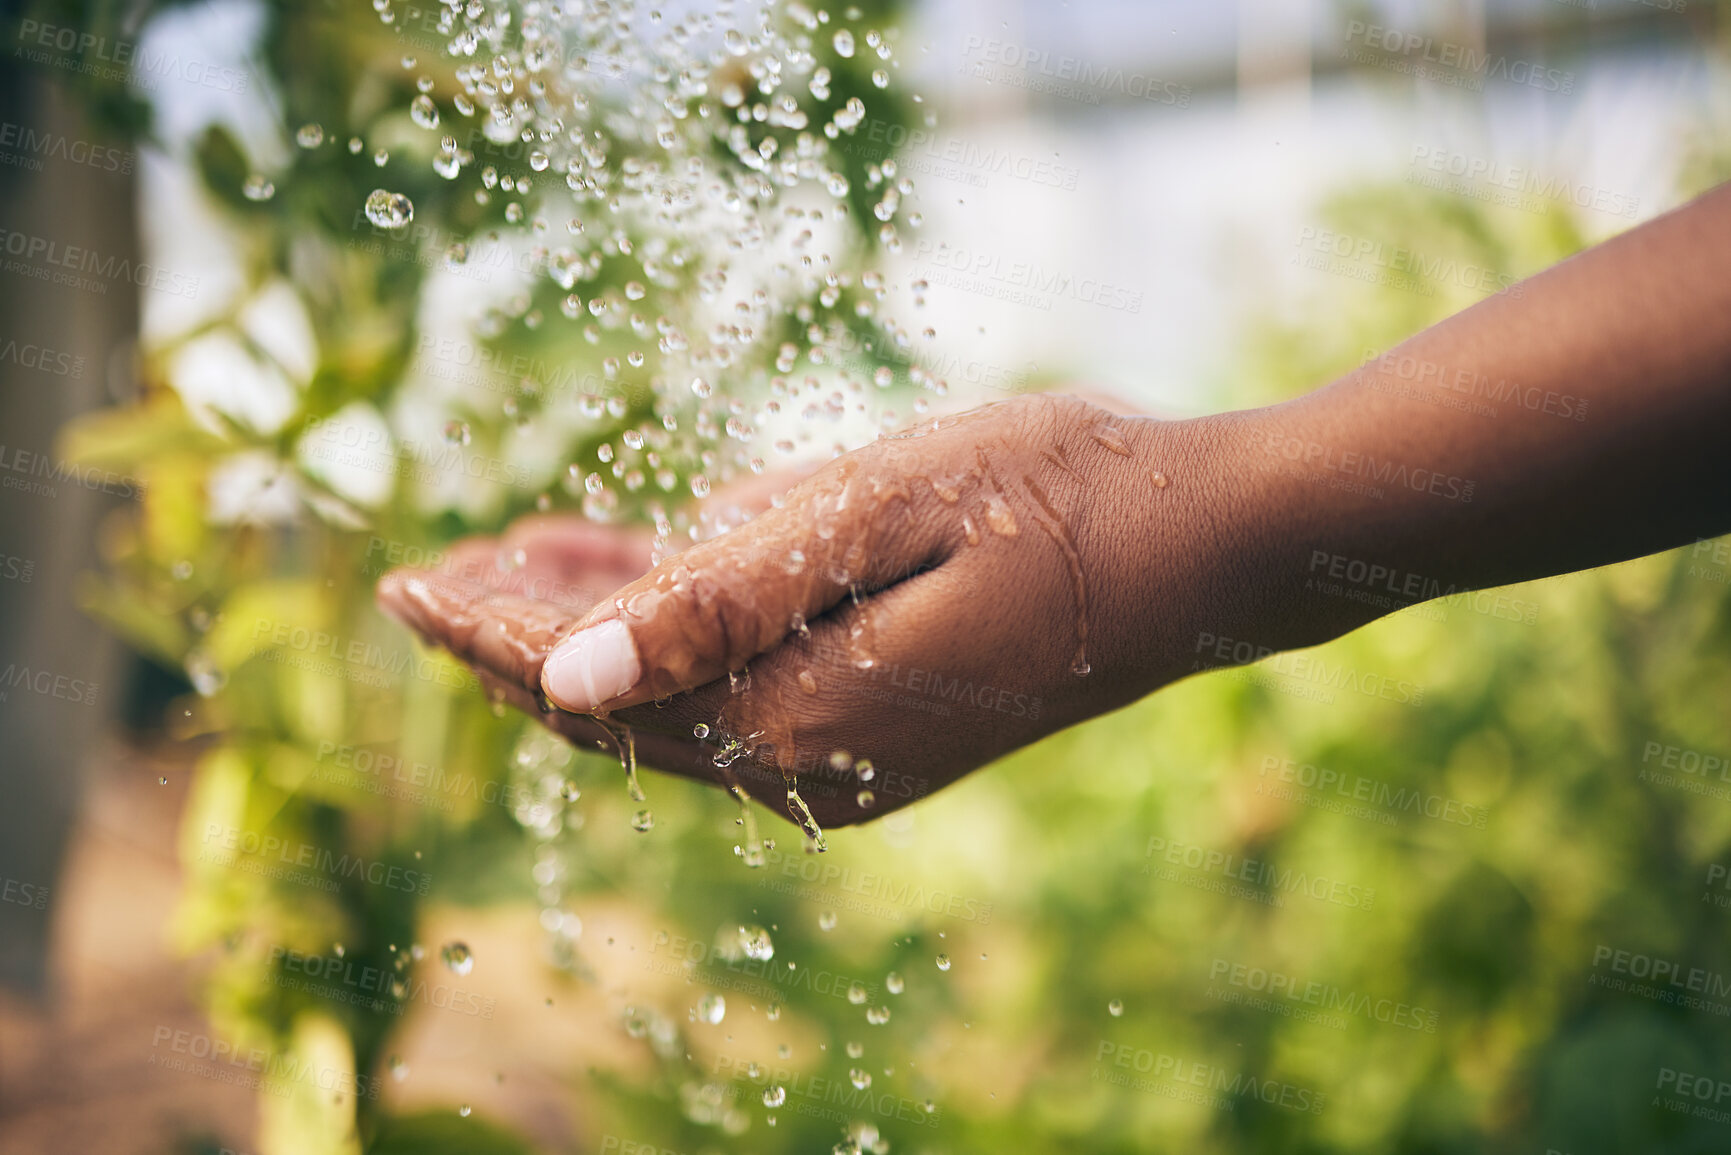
x,y
860,525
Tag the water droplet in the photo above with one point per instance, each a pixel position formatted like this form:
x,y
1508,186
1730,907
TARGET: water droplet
x,y
843,41
857,994
258,188
774,1096
204,674
866,799
801,813
464,1110
756,943
840,761
893,983
399,1069
880,78
309,136
838,185
424,112
389,210
1159,480
1115,1008
860,1078
642,821
865,769
807,681
162,781
457,432
877,1016
1081,668
457,958
711,1008
826,920
943,962
700,731
635,1024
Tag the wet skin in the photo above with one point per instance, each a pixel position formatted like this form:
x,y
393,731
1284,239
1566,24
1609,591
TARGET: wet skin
x,y
937,599
989,526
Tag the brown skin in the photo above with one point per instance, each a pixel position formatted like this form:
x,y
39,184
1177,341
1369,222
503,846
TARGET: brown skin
x,y
951,595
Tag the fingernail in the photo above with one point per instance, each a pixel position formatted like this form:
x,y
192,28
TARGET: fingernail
x,y
590,667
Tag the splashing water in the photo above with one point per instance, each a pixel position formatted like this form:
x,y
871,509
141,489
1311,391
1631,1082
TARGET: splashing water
x,y
699,229
694,208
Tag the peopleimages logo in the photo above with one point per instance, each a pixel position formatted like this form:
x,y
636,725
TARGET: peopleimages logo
x,y
1020,282
23,893
1262,876
819,1097
1446,61
118,60
1279,990
48,684
1171,1076
253,1067
1334,251
1356,788
46,259
33,472
233,842
25,143
1070,77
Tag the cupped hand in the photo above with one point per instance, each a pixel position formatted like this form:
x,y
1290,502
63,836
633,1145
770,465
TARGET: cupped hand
x,y
910,612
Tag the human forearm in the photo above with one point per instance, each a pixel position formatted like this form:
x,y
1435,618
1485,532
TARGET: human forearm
x,y
1582,418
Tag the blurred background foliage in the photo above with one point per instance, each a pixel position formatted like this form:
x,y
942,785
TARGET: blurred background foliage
x,y
1040,882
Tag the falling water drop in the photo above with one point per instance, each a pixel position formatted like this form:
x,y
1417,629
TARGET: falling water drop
x,y
756,943
389,210
424,112
457,958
